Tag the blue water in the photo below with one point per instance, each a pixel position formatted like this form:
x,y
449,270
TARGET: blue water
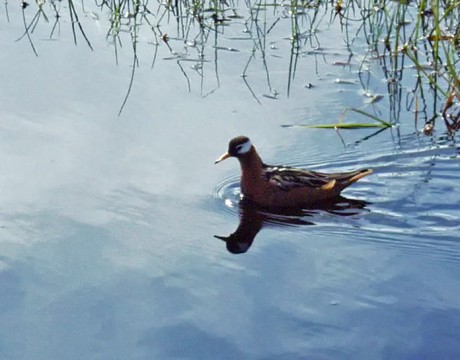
x,y
108,223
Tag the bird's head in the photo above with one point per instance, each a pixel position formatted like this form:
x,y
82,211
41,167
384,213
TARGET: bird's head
x,y
237,147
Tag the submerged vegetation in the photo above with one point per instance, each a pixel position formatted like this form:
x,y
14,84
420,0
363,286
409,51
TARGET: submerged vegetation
x,y
415,45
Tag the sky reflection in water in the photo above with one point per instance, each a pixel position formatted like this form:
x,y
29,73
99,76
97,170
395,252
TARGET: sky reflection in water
x,y
108,223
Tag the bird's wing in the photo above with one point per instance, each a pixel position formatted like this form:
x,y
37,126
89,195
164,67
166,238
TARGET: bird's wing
x,y
287,178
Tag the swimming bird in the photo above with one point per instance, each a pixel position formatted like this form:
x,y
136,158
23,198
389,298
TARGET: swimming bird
x,y
284,186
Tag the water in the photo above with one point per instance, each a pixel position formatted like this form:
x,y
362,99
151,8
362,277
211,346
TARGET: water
x,y
108,223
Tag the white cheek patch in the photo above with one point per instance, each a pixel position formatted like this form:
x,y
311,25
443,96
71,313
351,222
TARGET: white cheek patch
x,y
245,147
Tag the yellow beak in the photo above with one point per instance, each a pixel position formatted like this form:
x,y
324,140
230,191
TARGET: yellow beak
x,y
222,158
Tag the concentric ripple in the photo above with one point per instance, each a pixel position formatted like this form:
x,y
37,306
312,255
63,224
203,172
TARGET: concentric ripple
x,y
229,193
409,203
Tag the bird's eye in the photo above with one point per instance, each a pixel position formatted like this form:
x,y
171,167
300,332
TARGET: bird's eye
x,y
238,148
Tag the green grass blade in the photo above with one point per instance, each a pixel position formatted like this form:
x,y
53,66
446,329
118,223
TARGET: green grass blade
x,y
346,126
383,122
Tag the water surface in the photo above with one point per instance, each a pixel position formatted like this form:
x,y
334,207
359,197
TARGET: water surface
x,y
108,223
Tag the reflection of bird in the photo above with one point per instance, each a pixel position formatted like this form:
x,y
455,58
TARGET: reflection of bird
x,y
282,186
253,219
251,222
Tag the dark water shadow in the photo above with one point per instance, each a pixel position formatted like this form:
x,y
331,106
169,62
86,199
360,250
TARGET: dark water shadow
x,y
253,218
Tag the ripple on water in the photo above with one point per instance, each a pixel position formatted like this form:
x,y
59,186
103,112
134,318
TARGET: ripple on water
x,y
229,194
413,201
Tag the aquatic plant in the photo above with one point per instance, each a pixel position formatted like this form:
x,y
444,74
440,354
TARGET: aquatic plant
x,y
404,38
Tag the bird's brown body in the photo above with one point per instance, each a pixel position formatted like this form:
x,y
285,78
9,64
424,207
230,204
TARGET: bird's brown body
x,y
281,186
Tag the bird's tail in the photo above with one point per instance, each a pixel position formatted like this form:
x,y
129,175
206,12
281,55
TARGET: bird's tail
x,y
358,175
